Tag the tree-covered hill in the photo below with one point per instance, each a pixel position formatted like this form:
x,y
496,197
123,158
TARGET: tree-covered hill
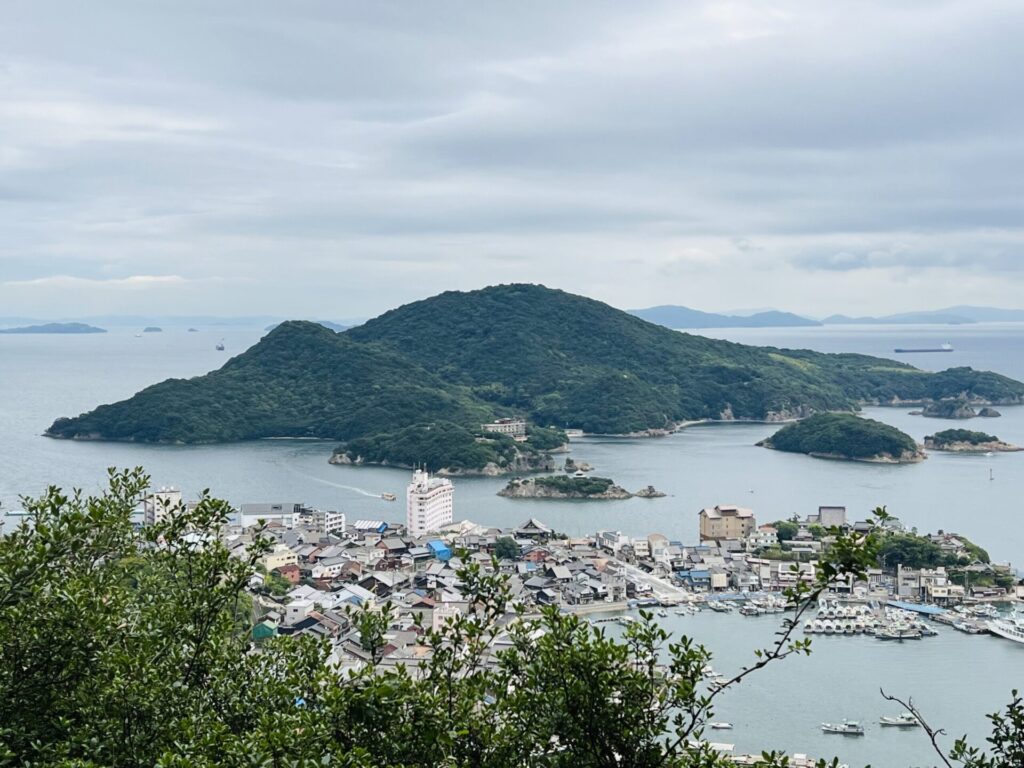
x,y
844,435
463,358
301,380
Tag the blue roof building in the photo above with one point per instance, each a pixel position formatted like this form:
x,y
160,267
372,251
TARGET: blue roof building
x,y
440,550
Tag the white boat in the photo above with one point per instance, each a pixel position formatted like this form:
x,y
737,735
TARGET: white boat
x,y
906,720
845,728
1011,628
720,726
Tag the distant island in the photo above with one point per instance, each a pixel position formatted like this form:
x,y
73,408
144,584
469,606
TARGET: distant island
x,y
955,409
152,329
381,389
56,328
846,436
337,328
966,441
564,487
672,316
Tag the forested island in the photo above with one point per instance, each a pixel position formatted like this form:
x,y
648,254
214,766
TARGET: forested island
x,y
966,441
464,359
446,448
846,436
70,328
564,487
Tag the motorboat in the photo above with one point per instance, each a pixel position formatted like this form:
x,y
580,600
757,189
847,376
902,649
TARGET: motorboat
x,y
906,720
720,726
845,728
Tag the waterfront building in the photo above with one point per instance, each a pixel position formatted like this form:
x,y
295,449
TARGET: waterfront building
x,y
161,505
514,428
285,513
429,503
327,522
724,521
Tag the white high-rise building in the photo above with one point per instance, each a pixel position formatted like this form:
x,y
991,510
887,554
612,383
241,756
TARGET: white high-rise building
x,y
161,505
429,503
328,521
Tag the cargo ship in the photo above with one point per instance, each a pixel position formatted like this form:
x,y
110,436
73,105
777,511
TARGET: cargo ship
x,y
904,351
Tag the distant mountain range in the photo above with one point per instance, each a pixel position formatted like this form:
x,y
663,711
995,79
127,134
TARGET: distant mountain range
x,y
960,315
684,317
673,316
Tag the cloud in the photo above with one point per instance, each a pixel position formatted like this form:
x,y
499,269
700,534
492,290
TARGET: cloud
x,y
132,282
337,159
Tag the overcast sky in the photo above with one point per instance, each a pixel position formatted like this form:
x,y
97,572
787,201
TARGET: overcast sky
x,y
337,159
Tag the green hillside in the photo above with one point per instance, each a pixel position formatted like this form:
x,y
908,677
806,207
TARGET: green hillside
x,y
463,358
843,435
301,380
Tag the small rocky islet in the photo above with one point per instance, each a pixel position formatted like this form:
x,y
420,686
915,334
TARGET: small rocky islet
x,y
967,441
848,437
956,409
566,487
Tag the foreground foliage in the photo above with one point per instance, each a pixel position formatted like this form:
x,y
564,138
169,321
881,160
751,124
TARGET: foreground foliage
x,y
121,647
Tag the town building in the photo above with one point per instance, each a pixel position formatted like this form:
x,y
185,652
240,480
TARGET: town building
x,y
328,522
429,503
514,428
286,514
161,505
831,517
726,522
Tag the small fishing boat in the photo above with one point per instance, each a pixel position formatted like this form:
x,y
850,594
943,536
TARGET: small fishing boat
x,y
845,728
906,720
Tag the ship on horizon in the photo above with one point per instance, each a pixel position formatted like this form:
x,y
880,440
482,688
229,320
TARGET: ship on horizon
x,y
907,350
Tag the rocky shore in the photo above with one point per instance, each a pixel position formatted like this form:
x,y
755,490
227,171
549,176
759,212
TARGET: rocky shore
x,y
564,488
538,463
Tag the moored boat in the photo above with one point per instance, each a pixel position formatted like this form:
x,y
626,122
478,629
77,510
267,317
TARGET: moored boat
x,y
1011,628
906,720
845,728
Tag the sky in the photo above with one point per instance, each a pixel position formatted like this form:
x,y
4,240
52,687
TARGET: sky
x,y
336,159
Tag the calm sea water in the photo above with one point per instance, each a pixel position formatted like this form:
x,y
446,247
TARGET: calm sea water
x,y
44,377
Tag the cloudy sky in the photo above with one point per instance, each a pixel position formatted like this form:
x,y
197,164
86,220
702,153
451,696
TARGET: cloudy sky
x,y
335,159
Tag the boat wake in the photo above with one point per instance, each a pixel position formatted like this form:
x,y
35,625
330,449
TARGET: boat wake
x,y
354,489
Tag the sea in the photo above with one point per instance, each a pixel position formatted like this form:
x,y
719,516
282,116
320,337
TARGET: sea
x,y
954,677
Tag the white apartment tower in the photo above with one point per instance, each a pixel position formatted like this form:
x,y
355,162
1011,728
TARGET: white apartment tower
x,y
161,505
429,503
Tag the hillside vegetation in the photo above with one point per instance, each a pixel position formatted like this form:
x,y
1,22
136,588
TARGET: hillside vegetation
x,y
844,435
949,436
464,358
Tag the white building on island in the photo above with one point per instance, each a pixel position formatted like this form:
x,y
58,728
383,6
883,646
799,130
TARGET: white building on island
x,y
429,503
